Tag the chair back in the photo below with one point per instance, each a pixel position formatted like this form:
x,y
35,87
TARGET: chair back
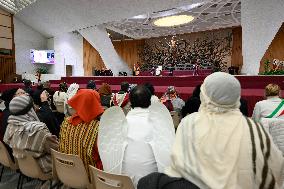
x,y
30,167
70,170
5,158
176,118
103,180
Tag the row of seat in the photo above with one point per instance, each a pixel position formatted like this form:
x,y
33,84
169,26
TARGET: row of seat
x,y
68,169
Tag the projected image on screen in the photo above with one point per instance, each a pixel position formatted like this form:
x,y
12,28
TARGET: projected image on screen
x,y
42,56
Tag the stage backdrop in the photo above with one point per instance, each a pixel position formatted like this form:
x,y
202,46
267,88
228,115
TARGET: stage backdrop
x,y
222,46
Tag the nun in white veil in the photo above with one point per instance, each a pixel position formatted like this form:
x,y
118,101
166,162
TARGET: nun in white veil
x,y
219,148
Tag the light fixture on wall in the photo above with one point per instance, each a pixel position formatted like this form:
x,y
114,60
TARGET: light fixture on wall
x,y
175,20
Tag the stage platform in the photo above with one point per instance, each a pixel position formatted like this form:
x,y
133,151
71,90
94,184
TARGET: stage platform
x,y
252,86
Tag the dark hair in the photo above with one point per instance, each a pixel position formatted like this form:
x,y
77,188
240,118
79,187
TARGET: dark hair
x,y
150,87
124,86
91,85
39,86
8,95
27,83
196,91
140,96
63,87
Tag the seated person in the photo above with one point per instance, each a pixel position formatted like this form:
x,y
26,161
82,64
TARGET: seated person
x,y
106,95
122,98
176,101
139,143
150,87
272,107
28,87
59,98
217,147
45,113
193,103
26,134
91,85
78,133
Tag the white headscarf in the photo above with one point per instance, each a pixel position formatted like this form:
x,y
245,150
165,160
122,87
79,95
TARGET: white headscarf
x,y
213,147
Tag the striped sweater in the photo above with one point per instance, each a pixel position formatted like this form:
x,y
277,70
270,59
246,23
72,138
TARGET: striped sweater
x,y
81,140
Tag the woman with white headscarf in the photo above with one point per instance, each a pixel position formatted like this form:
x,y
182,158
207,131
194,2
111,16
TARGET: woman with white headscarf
x,y
218,148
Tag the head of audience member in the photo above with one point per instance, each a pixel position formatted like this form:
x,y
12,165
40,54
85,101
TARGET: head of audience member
x,y
91,85
140,97
39,86
196,92
150,87
87,104
272,90
105,90
220,95
124,87
171,92
37,97
28,83
8,95
22,106
63,87
46,85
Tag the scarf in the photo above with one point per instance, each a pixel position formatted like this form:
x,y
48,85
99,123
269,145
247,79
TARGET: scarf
x,y
87,104
217,147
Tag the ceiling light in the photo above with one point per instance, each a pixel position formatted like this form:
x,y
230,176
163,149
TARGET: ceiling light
x,y
173,20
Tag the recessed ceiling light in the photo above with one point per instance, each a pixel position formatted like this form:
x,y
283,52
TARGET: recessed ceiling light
x,y
173,20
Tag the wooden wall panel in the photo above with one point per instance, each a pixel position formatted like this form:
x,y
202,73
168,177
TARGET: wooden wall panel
x,y
275,49
127,50
7,62
237,57
92,59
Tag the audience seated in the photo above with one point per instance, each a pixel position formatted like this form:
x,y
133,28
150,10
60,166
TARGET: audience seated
x,y
176,101
71,91
193,103
122,98
59,98
78,133
26,133
272,107
150,87
106,95
144,137
46,87
45,113
28,87
91,85
217,147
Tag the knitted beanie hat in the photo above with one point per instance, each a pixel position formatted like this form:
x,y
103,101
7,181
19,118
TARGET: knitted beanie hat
x,y
20,105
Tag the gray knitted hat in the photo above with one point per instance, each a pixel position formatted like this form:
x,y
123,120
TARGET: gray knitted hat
x,y
20,105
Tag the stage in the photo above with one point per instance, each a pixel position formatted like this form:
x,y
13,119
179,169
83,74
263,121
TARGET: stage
x,y
252,86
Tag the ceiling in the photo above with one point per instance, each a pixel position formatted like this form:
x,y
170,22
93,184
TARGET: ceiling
x,y
126,19
54,17
213,14
14,6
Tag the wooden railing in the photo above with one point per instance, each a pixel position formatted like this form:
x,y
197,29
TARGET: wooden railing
x,y
7,68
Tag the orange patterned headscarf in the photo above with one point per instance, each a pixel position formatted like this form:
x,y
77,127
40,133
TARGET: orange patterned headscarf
x,y
87,104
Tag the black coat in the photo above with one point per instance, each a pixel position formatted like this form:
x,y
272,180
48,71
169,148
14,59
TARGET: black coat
x,y
162,181
46,116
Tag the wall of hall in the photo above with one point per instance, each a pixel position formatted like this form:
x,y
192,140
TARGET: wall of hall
x,y
275,49
25,39
68,51
130,50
